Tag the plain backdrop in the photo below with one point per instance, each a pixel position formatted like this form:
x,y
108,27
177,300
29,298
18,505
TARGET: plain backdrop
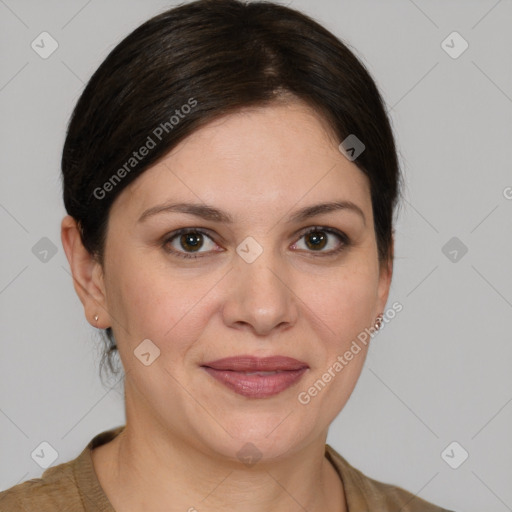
x,y
438,373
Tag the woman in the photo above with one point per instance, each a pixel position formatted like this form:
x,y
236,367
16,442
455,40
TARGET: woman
x,y
230,178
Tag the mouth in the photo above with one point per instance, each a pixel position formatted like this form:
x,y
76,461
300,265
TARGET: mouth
x,y
254,377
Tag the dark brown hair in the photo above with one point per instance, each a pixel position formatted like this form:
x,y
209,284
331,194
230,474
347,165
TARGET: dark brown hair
x,y
201,60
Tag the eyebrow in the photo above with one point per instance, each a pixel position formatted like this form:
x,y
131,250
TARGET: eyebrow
x,y
213,214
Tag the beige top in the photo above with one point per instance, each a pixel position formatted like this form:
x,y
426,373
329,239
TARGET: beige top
x,y
74,487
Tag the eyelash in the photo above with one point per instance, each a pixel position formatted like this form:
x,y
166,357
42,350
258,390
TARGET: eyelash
x,y
342,236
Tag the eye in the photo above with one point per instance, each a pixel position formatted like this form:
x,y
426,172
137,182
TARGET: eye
x,y
317,238
185,240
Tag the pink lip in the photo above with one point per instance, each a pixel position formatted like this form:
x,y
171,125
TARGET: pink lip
x,y
256,386
247,363
230,371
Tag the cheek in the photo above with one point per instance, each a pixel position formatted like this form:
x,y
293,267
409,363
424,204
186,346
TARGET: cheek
x,y
344,302
343,308
150,302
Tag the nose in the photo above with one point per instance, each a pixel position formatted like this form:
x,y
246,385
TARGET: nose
x,y
260,297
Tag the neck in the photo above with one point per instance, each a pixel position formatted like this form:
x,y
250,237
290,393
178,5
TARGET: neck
x,y
188,479
165,471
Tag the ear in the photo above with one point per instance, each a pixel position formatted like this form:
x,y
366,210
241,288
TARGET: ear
x,y
87,274
385,275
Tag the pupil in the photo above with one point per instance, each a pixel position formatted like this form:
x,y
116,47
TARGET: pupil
x,y
318,240
315,240
190,240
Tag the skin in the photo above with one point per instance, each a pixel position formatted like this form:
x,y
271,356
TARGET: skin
x,y
183,428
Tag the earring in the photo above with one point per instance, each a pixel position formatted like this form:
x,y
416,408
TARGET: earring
x,y
378,322
96,317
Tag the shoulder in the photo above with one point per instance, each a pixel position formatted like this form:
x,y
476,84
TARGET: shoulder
x,y
72,485
55,490
365,493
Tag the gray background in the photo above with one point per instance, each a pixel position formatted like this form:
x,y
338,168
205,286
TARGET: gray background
x,y
439,372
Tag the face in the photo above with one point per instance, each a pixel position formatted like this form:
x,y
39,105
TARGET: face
x,y
265,283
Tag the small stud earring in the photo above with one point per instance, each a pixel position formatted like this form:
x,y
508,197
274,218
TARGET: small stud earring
x,y
96,317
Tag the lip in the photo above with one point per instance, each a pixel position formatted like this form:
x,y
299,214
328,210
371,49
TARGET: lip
x,y
248,363
232,372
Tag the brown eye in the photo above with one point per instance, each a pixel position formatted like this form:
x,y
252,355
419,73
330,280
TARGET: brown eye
x,y
318,238
185,242
191,241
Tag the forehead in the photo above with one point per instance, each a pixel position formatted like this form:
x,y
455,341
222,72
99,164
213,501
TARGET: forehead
x,y
255,160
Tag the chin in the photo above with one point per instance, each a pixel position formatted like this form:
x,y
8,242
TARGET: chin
x,y
268,437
